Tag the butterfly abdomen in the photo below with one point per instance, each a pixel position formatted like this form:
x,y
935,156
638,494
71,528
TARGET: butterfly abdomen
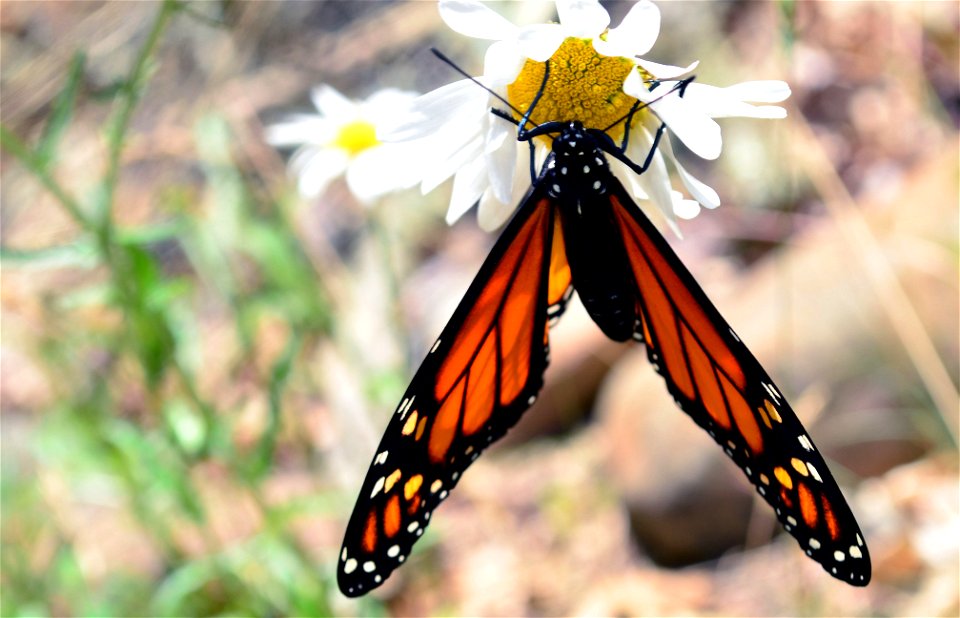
x,y
575,177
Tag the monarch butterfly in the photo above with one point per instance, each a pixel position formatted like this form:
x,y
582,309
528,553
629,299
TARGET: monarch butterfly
x,y
578,228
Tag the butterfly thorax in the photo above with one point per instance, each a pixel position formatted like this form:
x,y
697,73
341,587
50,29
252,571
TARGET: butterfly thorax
x,y
577,169
578,177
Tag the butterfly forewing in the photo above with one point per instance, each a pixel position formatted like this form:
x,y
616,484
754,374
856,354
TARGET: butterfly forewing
x,y
483,372
718,382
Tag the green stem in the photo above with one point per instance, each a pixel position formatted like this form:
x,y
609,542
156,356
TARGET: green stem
x,y
12,144
129,97
116,132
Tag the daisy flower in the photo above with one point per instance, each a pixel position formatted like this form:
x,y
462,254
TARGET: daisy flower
x,y
597,74
342,141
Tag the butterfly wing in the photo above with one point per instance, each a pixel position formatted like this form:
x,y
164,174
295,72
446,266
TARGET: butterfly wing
x,y
484,371
720,384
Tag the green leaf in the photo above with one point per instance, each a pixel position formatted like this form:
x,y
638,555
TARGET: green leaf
x,y
80,254
186,425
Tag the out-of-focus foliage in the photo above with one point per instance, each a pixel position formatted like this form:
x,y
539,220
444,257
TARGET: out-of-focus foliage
x,y
196,364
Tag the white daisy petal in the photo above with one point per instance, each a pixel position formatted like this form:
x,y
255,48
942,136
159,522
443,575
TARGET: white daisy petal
x,y
429,113
635,35
492,213
655,182
378,171
387,103
700,191
684,208
629,178
541,41
502,63
582,19
468,186
501,157
476,20
661,217
446,167
690,124
666,71
300,129
760,91
721,103
331,103
315,169
739,109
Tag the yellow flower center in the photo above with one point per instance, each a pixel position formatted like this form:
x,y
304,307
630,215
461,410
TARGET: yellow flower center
x,y
583,85
356,136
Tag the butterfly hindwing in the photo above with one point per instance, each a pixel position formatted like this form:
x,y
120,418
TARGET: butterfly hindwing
x,y
720,384
484,371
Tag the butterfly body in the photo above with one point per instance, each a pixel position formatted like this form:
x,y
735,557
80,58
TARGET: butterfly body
x,y
576,176
579,228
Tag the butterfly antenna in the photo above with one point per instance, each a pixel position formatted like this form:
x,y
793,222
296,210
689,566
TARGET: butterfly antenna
x,y
439,54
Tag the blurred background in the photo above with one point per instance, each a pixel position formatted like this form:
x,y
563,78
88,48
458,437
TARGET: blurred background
x,y
197,362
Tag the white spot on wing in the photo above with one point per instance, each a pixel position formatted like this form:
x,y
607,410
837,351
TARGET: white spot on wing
x,y
413,526
435,346
855,552
394,551
813,472
814,543
369,566
350,566
377,486
770,389
805,441
839,556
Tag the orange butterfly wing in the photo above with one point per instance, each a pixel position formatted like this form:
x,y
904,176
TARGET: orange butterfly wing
x,y
484,371
718,382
